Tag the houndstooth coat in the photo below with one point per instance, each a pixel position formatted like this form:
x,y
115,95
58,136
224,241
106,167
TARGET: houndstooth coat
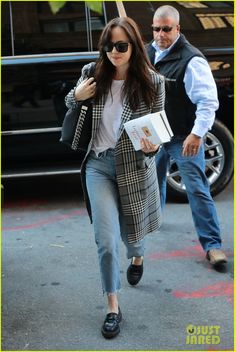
x,y
136,172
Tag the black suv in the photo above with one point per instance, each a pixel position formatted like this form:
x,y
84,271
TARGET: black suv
x,y
42,57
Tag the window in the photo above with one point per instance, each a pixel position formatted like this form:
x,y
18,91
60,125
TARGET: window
x,y
192,5
204,4
216,20
6,47
219,65
220,4
36,30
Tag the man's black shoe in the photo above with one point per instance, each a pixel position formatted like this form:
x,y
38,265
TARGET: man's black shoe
x,y
134,273
111,327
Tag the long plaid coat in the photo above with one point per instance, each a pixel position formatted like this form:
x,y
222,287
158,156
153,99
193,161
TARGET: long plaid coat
x,y
136,172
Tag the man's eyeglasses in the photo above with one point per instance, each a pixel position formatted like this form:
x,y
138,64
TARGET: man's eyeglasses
x,y
165,29
121,47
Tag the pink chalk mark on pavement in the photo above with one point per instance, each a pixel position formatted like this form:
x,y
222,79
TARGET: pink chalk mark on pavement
x,y
50,220
219,289
187,252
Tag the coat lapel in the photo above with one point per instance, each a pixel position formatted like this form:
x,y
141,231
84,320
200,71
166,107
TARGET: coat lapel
x,y
97,113
126,115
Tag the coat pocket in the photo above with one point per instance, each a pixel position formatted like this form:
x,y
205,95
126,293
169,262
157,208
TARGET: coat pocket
x,y
148,162
144,163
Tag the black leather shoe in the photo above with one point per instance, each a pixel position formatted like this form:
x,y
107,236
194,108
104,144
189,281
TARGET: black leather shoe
x,y
111,327
134,273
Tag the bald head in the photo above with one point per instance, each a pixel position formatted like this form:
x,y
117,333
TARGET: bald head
x,y
167,11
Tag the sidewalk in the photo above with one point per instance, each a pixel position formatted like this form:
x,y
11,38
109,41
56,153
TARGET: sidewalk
x,y
52,298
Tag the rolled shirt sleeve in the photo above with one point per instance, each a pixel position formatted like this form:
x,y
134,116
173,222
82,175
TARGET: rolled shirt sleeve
x,y
202,91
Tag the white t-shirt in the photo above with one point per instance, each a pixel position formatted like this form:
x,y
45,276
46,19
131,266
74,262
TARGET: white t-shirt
x,y
111,118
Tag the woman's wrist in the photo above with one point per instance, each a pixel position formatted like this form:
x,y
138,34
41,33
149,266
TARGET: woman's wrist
x,y
151,154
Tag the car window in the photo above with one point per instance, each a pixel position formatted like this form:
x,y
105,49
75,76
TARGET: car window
x,y
75,28
6,47
221,66
33,94
199,20
96,22
38,30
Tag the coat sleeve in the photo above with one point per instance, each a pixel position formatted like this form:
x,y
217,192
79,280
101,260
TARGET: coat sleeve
x,y
159,104
159,82
70,100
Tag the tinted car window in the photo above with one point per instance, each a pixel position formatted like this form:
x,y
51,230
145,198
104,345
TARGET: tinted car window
x,y
199,20
34,94
6,47
222,68
32,113
37,30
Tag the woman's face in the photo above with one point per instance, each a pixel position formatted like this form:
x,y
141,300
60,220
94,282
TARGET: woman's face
x,y
118,58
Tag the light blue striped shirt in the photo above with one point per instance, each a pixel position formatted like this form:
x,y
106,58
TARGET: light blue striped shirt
x,y
200,88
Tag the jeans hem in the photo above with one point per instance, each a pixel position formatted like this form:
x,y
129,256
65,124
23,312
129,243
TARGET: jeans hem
x,y
111,293
218,246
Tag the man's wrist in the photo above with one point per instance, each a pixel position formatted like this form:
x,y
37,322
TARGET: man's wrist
x,y
195,135
199,131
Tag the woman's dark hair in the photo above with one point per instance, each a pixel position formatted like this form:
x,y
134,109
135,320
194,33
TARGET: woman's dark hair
x,y
138,84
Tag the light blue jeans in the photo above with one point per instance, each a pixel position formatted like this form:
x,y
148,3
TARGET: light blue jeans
x,y
107,217
192,171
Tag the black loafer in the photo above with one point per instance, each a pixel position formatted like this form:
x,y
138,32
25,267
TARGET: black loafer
x,y
111,327
134,273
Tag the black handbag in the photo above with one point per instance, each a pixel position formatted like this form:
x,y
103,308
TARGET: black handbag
x,y
77,125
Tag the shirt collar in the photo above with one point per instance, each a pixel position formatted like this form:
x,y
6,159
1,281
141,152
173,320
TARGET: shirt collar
x,y
165,51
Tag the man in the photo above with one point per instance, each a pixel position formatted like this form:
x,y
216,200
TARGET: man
x,y
190,106
191,102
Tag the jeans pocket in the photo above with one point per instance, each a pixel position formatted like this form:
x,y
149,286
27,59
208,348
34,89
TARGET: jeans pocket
x,y
92,155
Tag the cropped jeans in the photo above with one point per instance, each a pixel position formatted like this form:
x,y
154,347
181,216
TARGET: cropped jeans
x,y
192,171
108,221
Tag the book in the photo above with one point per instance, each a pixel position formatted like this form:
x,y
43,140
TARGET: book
x,y
154,127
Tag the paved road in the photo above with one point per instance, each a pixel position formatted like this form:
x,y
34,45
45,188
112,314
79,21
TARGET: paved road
x,y
52,298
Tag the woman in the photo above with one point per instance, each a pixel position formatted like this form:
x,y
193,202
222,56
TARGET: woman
x,y
120,184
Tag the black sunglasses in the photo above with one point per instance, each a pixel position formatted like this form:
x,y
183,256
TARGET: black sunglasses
x,y
165,29
121,47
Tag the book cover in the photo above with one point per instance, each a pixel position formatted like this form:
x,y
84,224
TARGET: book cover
x,y
155,127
